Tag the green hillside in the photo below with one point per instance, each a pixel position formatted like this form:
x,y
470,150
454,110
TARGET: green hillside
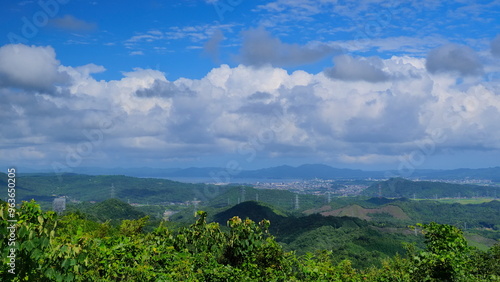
x,y
348,237
111,209
255,211
363,229
403,188
77,187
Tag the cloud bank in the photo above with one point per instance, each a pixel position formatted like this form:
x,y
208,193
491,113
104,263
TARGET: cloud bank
x,y
360,110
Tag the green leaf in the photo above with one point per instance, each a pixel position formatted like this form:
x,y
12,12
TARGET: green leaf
x,y
40,219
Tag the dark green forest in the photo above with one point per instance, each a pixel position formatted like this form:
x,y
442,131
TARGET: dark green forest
x,y
404,188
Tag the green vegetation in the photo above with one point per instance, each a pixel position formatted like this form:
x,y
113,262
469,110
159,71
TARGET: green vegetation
x,y
71,248
111,209
337,239
480,221
485,215
348,237
402,212
465,201
403,188
78,187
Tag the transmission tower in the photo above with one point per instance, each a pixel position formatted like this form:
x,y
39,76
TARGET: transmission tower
x,y
242,191
195,202
59,205
112,192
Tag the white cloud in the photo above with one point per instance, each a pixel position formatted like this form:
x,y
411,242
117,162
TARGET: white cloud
x,y
33,68
148,37
195,33
136,53
239,109
282,12
400,44
367,159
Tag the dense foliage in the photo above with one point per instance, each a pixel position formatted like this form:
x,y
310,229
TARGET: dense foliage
x,y
400,187
71,248
484,215
348,237
111,209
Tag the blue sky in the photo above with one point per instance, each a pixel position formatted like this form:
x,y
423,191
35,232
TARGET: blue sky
x,y
360,84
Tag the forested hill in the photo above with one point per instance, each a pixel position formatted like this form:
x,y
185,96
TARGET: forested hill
x,y
399,187
112,210
349,237
45,187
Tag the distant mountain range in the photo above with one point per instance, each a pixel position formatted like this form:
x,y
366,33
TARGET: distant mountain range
x,y
307,171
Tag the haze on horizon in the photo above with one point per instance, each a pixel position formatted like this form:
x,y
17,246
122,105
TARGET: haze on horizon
x,y
351,84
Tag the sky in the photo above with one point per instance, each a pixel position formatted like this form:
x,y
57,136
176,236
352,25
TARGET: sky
x,y
240,84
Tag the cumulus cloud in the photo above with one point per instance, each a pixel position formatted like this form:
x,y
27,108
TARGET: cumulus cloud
x,y
236,110
260,96
260,108
384,127
31,68
495,46
261,48
90,68
164,89
454,58
355,69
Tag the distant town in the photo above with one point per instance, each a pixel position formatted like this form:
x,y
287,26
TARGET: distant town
x,y
348,187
